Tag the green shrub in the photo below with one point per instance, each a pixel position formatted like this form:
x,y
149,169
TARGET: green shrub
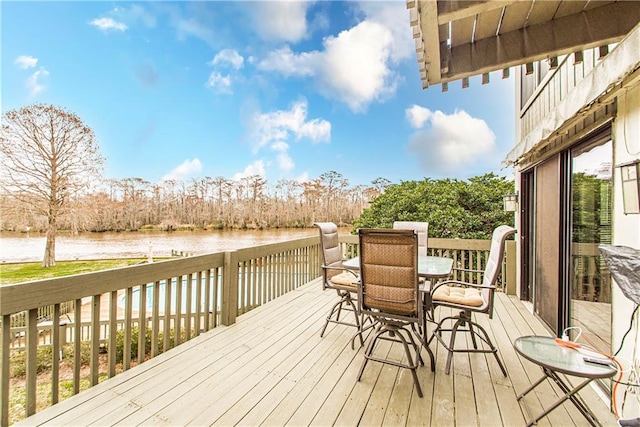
x,y
44,357
172,339
18,361
133,351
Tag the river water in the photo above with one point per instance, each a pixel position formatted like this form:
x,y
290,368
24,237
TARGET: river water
x,y
26,247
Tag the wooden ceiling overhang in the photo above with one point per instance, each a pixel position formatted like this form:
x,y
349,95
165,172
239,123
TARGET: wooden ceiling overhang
x,y
459,39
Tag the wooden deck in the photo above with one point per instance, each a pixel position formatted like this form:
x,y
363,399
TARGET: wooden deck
x,y
272,368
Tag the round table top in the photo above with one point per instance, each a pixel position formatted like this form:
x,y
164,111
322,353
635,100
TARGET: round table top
x,y
545,352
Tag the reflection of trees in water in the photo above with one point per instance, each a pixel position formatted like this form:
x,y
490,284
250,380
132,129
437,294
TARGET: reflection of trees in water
x,y
591,225
24,248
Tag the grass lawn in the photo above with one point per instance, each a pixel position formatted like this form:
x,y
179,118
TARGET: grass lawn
x,y
27,271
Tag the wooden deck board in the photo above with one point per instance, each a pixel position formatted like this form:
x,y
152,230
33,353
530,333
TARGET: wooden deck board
x,y
272,368
161,389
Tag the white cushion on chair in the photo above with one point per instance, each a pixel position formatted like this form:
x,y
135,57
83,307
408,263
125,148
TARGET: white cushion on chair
x,y
345,278
458,295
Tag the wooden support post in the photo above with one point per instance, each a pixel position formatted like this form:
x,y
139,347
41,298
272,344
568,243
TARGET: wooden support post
x,y
32,351
229,289
4,369
95,340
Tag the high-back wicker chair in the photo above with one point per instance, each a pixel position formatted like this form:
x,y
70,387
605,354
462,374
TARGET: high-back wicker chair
x,y
389,293
336,276
471,298
421,228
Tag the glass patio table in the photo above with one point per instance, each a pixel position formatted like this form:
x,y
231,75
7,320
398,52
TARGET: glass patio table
x,y
556,359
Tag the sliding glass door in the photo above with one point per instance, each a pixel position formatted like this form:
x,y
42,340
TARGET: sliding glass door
x,y
591,212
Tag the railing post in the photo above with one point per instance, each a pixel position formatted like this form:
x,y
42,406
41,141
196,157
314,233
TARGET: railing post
x,y
229,289
510,268
4,369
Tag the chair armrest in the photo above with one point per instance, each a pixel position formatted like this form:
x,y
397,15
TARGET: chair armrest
x,y
468,270
462,284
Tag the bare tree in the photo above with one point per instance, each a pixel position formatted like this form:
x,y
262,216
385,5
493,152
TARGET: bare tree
x,y
50,156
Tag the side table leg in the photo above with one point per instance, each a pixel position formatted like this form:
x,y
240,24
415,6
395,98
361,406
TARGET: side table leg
x,y
531,387
575,398
569,394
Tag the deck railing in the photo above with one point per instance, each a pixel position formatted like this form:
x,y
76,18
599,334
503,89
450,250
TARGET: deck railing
x,y
156,306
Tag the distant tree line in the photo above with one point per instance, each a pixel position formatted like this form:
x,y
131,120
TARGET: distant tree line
x,y
132,204
453,208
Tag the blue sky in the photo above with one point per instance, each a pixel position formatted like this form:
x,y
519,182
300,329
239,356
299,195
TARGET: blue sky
x,y
283,89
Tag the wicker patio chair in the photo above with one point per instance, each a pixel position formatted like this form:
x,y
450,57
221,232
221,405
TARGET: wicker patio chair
x,y
471,298
336,276
389,294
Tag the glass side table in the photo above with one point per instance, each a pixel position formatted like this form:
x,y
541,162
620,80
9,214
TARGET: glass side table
x,y
556,359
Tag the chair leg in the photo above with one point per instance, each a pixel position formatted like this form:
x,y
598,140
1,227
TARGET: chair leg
x,y
336,309
452,341
422,335
396,336
358,323
369,351
414,344
493,348
472,332
474,329
330,317
413,366
361,330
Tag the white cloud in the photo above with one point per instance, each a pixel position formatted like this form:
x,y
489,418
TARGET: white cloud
x,y
286,62
393,16
452,142
283,21
223,59
285,162
276,127
25,61
356,70
228,57
280,146
106,24
187,169
136,13
354,67
417,116
255,168
303,177
191,27
219,83
34,82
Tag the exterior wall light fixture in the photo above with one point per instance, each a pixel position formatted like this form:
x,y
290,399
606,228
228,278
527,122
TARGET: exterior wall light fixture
x,y
630,174
510,202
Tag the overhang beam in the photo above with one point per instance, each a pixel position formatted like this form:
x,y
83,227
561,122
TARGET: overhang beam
x,y
585,30
455,11
430,40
